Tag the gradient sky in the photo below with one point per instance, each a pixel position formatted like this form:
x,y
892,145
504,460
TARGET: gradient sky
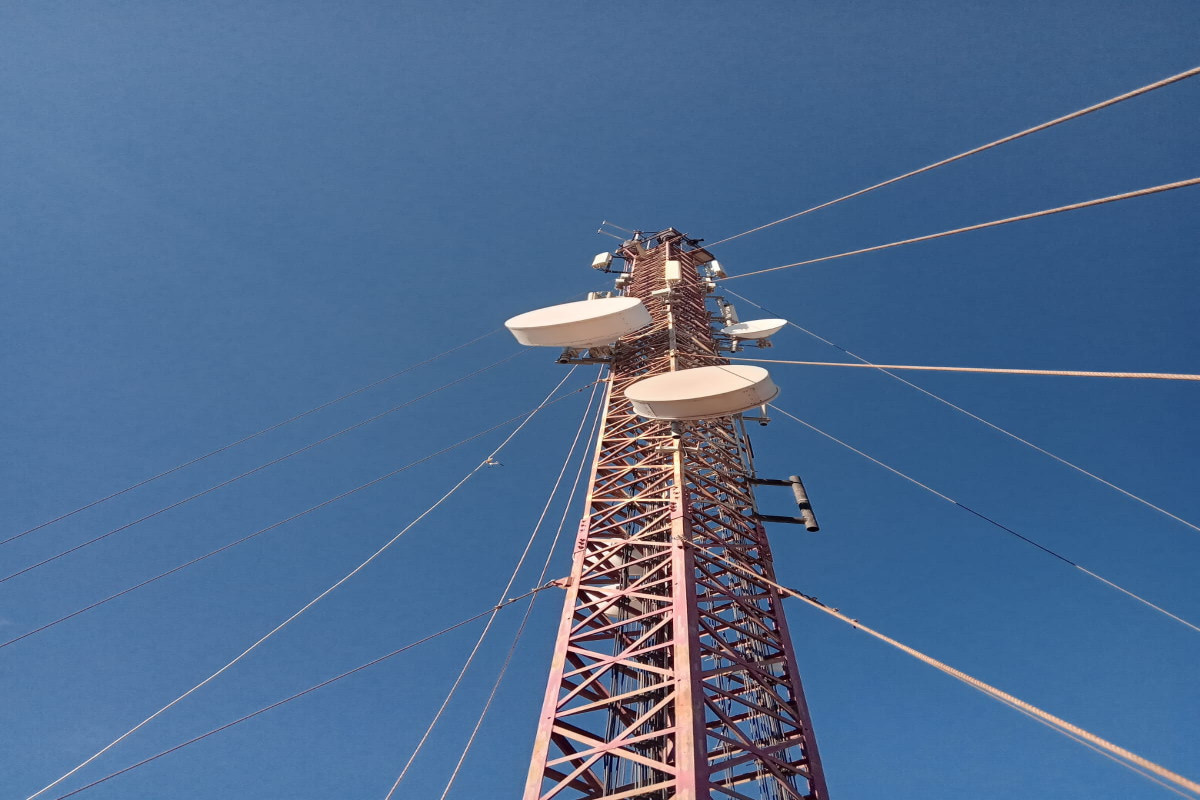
x,y
216,215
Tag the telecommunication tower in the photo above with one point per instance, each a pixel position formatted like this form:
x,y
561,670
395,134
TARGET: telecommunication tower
x,y
674,675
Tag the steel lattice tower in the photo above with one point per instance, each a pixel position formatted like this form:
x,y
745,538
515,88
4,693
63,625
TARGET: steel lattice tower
x,y
673,675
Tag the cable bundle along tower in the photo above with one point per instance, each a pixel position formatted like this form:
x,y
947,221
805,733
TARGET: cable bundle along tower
x,y
673,675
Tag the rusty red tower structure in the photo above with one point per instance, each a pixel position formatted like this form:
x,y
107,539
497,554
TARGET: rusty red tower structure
x,y
674,676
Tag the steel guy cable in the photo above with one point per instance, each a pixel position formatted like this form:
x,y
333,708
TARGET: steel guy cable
x,y
245,439
1165,187
491,456
503,593
1073,115
1123,756
259,468
274,525
981,420
583,461
302,693
990,521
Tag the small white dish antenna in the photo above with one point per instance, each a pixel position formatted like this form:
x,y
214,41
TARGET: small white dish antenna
x,y
755,328
586,323
702,392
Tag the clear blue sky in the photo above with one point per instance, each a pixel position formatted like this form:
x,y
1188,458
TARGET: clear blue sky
x,y
216,215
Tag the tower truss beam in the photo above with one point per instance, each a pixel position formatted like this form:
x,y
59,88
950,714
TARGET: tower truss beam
x,y
673,676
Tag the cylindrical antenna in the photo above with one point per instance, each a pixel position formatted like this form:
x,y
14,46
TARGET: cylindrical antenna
x,y
806,512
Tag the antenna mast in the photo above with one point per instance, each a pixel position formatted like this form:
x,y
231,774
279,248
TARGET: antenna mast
x,y
673,675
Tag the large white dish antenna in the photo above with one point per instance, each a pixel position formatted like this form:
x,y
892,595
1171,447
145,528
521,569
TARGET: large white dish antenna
x,y
702,392
586,323
755,328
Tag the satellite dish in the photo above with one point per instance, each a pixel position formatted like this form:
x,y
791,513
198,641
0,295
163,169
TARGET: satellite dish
x,y
586,323
755,328
702,392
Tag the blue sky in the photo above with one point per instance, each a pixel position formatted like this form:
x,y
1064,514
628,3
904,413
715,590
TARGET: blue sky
x,y
217,215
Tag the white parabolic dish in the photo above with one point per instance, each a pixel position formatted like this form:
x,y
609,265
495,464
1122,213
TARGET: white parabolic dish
x,y
586,323
755,328
702,392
